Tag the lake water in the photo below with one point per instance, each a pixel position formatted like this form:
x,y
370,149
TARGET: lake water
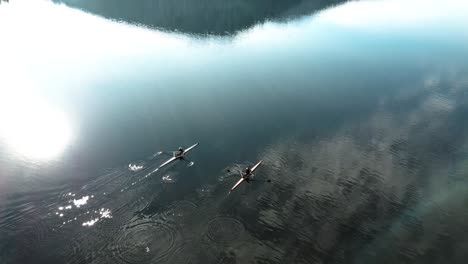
x,y
358,110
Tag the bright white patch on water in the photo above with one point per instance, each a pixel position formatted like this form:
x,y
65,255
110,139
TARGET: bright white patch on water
x,y
169,178
134,167
61,208
91,222
382,15
30,126
81,201
103,213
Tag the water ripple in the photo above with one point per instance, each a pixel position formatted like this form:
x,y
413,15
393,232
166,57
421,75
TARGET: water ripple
x,y
146,241
224,230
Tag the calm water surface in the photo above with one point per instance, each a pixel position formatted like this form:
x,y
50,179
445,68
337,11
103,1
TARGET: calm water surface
x,y
358,110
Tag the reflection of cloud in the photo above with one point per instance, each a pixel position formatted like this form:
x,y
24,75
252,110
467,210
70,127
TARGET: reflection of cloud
x,y
431,81
379,15
380,179
437,103
271,218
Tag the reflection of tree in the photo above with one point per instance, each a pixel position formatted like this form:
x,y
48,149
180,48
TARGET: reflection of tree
x,y
4,1
201,16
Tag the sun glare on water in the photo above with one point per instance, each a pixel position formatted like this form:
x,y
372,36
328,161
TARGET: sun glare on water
x,y
32,128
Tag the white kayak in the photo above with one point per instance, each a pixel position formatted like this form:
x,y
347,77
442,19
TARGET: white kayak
x,y
246,177
179,157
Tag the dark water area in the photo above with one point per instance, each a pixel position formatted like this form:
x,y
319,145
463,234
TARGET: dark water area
x,y
200,17
357,109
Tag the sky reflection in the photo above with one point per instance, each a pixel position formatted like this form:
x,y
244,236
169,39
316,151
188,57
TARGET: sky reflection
x,y
84,66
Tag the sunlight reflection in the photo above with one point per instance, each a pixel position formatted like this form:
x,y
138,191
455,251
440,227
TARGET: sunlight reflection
x,y
31,127
103,213
81,201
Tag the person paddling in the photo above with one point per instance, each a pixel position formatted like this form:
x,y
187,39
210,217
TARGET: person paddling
x,y
247,171
180,152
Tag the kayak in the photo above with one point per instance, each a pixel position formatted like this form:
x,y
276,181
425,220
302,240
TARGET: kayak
x,y
178,157
246,177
